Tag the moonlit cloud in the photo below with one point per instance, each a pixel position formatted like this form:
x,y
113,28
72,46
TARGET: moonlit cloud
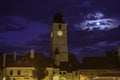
x,y
97,21
96,15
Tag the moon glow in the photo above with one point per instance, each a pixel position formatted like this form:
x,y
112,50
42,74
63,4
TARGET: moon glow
x,y
97,21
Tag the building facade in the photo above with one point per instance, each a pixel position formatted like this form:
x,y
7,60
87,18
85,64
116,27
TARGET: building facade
x,y
20,73
22,67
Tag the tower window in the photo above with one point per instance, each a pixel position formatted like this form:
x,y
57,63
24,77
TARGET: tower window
x,y
56,51
59,26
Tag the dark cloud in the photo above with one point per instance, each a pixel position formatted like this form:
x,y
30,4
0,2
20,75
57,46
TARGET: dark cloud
x,y
9,28
43,10
110,7
93,43
41,43
12,23
84,37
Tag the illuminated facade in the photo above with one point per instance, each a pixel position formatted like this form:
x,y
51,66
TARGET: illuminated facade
x,y
20,73
21,67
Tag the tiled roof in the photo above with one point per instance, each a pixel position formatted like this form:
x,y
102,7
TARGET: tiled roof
x,y
22,60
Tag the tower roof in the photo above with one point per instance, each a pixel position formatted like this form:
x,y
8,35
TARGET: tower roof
x,y
58,18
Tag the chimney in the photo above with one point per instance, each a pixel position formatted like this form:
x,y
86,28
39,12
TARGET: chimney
x,y
32,53
4,60
14,56
4,65
119,48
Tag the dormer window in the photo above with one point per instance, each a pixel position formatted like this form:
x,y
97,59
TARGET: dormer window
x,y
27,63
19,63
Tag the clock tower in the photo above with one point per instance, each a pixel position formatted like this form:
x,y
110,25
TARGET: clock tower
x,y
59,47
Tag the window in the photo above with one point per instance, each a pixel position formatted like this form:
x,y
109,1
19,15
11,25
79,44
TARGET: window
x,y
19,72
53,72
59,26
64,73
11,72
60,73
91,74
76,73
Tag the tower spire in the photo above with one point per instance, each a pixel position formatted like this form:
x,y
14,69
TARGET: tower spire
x,y
58,18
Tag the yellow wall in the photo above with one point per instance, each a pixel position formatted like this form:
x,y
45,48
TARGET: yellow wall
x,y
26,73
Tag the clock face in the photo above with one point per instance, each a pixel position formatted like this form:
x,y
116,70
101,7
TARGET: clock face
x,y
59,33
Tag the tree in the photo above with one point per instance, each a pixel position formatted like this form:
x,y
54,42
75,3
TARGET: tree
x,y
40,64
40,72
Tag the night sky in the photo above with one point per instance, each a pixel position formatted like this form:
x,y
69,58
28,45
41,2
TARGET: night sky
x,y
93,25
